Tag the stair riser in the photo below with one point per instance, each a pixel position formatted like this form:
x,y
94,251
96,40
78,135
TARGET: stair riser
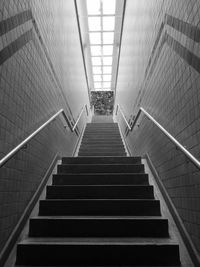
x,y
100,168
100,207
98,228
98,255
100,192
103,160
101,179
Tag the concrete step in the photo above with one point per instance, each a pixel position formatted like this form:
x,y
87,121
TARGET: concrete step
x,y
101,179
102,125
99,207
97,135
99,154
99,131
102,136
102,145
100,168
102,139
100,192
102,160
99,149
98,227
97,253
101,142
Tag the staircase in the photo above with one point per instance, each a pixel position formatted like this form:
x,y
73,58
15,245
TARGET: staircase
x,y
99,211
102,139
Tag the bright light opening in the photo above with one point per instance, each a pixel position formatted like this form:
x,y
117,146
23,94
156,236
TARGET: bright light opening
x,y
95,38
97,78
107,78
94,23
107,61
107,50
97,85
109,6
108,37
96,50
107,70
93,7
101,24
96,61
106,84
97,70
109,23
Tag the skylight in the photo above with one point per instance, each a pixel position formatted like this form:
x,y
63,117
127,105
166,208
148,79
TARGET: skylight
x,y
109,23
107,60
96,61
107,50
96,50
106,78
97,70
94,23
108,37
107,70
97,78
93,7
97,85
95,37
108,6
101,25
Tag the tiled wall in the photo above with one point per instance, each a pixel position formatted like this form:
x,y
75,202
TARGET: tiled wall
x,y
160,71
41,71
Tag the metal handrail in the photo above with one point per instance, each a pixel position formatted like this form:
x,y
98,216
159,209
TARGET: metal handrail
x,y
119,108
177,144
80,114
23,143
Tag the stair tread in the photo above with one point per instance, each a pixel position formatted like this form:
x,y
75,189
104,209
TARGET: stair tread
x,y
102,173
99,185
100,241
99,217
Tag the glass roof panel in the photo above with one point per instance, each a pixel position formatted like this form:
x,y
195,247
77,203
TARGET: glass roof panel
x,y
96,61
97,85
107,78
101,24
106,84
97,70
93,7
95,37
109,6
108,50
97,78
108,37
94,23
107,60
96,50
108,23
107,70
